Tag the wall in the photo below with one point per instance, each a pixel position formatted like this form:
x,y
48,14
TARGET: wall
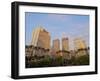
x,y
5,40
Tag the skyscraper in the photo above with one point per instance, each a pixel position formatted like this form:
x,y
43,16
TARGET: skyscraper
x,y
40,41
79,44
65,44
40,38
80,47
56,45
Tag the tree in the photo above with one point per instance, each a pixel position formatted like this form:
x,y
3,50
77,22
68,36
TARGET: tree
x,y
82,60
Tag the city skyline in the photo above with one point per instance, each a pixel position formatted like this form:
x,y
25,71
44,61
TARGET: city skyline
x,y
58,25
40,53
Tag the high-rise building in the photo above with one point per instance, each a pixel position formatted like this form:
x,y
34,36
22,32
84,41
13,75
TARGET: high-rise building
x,y
80,47
40,41
41,38
80,44
56,45
65,44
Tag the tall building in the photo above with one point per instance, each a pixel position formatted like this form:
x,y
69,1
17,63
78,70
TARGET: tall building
x,y
56,45
65,44
80,47
41,38
80,44
40,41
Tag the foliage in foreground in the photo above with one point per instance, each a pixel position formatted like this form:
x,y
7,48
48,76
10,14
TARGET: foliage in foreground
x,y
48,61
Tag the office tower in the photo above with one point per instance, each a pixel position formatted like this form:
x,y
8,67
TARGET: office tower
x,y
65,44
40,41
41,38
56,45
80,47
79,44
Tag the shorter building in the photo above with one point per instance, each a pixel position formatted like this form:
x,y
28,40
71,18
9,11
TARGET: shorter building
x,y
72,53
28,50
32,51
65,54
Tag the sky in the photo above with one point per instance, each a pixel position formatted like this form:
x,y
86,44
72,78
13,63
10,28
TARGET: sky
x,y
58,25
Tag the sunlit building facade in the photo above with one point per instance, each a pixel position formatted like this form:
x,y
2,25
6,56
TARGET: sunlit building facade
x,y
80,47
41,41
41,38
65,44
80,44
56,45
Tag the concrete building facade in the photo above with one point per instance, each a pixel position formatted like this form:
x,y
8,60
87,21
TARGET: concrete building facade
x,y
56,45
65,44
40,41
79,44
80,47
41,38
